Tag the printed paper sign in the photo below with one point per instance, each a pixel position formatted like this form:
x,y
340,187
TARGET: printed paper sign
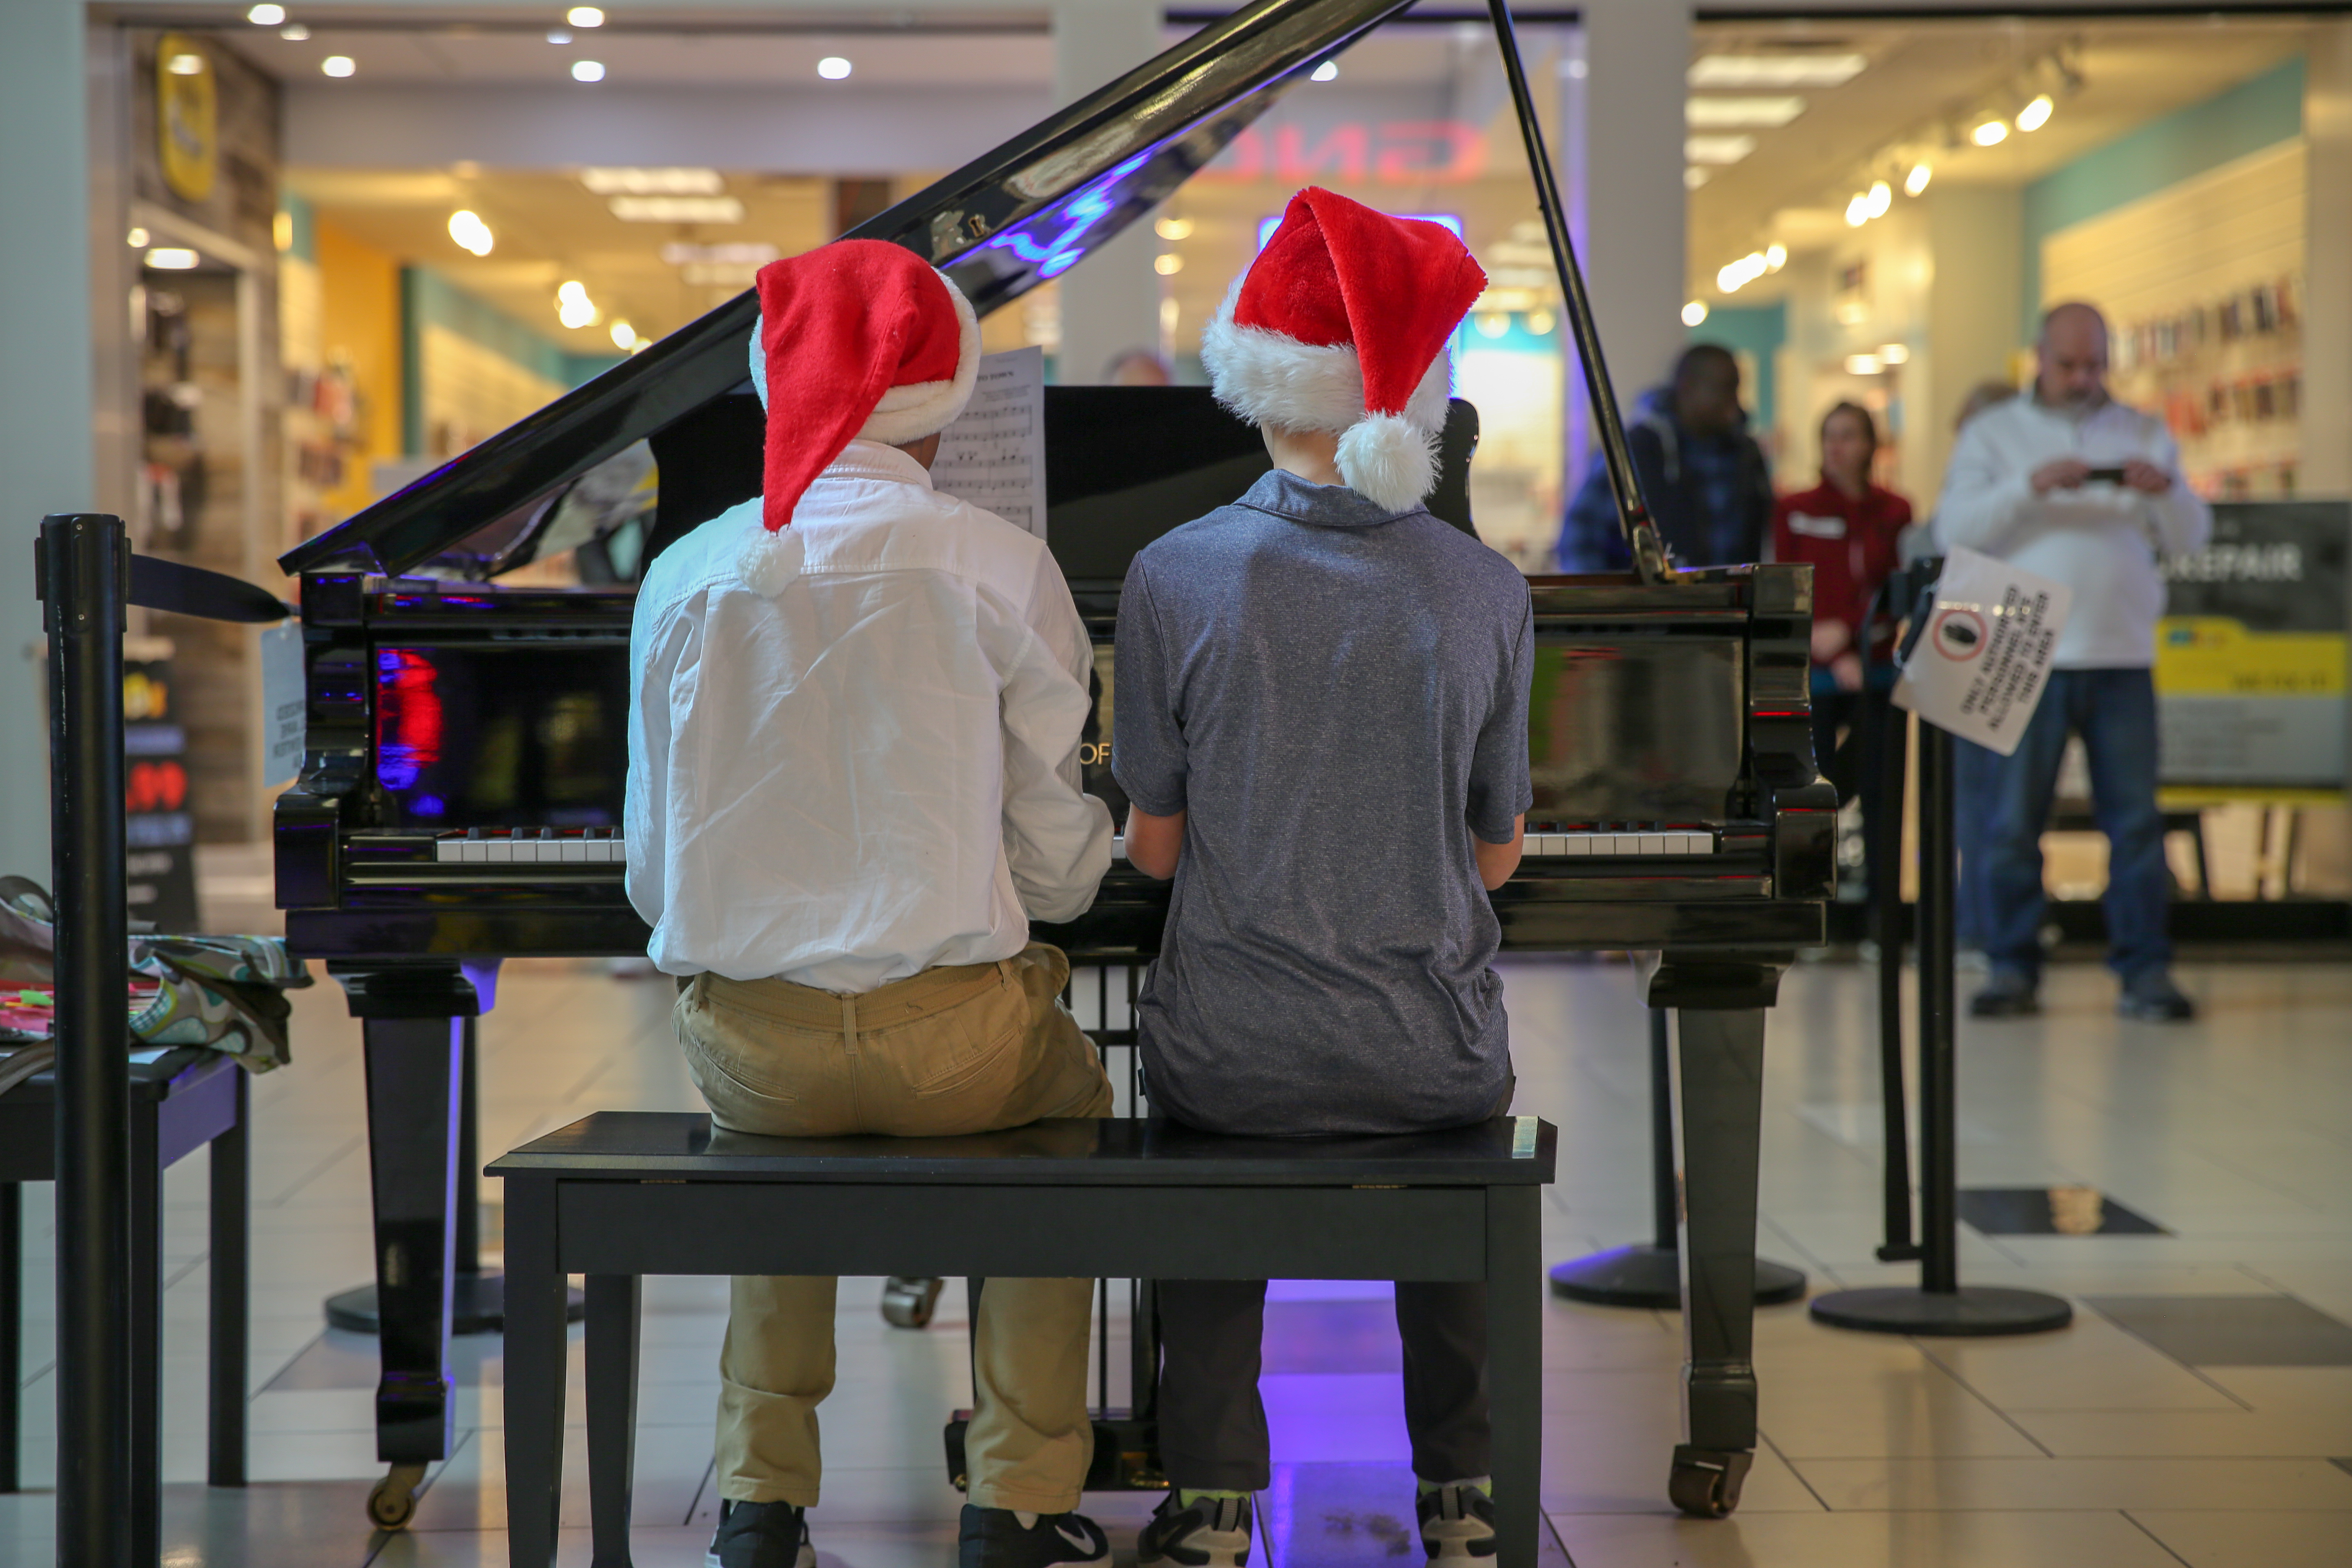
x,y
282,703
993,456
1979,667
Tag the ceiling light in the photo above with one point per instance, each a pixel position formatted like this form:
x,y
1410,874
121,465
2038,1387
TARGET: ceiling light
x,y
1857,211
266,15
1168,264
1882,196
624,336
587,71
683,253
294,32
1694,312
1173,228
1895,353
652,181
337,65
136,239
1851,313
1327,71
1723,113
1540,323
834,68
470,232
186,64
1737,275
1717,149
2035,115
1776,257
676,209
1775,70
641,345
1990,132
1916,182
573,306
559,36
1861,364
1694,177
584,16
1493,324
572,289
171,258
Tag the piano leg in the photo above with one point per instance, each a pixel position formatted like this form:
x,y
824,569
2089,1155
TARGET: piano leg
x,y
413,1076
1721,1090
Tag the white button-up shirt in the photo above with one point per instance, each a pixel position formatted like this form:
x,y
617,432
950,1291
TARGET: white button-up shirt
x,y
2102,540
876,770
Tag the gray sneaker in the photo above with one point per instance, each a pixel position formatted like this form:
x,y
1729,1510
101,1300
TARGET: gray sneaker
x,y
1214,1533
2153,998
1457,1523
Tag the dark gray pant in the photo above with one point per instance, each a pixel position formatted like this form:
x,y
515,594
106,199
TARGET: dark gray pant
x,y
1212,1422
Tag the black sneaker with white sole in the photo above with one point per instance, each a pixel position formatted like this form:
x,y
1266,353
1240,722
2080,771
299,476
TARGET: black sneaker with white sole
x,y
1213,1533
761,1535
1457,1523
1001,1538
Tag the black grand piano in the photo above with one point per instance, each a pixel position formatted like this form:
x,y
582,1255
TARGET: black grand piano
x,y
461,794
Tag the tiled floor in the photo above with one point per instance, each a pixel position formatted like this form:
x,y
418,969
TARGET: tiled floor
x,y
2198,1412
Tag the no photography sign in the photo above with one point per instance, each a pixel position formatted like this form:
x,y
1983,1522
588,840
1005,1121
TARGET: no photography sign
x,y
1981,661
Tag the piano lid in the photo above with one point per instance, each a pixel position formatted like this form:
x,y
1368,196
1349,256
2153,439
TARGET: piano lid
x,y
1020,215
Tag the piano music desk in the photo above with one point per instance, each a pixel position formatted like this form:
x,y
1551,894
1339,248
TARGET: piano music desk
x,y
624,1194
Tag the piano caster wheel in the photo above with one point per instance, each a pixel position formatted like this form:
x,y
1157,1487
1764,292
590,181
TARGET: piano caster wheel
x,y
908,1303
392,1503
1706,1481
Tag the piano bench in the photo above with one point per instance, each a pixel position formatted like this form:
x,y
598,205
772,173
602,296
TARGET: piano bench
x,y
625,1193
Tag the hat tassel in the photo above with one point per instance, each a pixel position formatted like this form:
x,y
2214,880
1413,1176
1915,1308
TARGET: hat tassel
x,y
1388,461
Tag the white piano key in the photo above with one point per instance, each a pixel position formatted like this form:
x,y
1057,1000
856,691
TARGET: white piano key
x,y
1118,846
526,851
1576,844
574,851
502,852
447,849
600,851
1651,843
473,851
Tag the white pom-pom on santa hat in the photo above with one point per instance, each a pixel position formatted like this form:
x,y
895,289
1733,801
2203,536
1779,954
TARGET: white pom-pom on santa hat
x,y
1340,325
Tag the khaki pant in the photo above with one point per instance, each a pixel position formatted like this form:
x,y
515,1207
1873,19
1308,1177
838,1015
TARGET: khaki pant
x,y
962,1049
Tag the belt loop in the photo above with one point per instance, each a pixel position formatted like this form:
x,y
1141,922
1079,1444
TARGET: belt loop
x,y
849,1024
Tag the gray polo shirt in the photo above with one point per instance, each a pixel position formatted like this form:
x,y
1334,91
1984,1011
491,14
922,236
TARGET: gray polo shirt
x,y
1337,696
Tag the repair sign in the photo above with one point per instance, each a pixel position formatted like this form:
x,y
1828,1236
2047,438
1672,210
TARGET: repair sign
x,y
1979,667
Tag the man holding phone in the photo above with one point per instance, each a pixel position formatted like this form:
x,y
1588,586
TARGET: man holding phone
x,y
2073,485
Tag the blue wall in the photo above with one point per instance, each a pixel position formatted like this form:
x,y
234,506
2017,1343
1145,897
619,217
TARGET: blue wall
x,y
2257,114
428,298
1757,329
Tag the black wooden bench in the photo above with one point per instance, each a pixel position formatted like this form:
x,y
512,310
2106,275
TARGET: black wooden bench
x,y
180,1102
626,1193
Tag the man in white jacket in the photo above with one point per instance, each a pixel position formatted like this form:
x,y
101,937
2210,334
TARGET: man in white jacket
x,y
2073,485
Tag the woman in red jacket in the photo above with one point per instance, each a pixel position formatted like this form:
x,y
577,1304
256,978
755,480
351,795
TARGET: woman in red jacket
x,y
1846,528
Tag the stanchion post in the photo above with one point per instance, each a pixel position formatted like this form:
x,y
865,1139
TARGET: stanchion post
x,y
84,575
1940,1241
1886,924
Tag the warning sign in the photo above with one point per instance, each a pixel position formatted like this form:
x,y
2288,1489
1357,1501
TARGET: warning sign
x,y
1980,665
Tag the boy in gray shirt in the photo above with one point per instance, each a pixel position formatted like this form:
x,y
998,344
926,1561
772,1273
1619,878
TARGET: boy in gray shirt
x,y
1320,721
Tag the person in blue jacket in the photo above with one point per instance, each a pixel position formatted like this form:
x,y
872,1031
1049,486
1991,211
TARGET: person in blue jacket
x,y
1707,483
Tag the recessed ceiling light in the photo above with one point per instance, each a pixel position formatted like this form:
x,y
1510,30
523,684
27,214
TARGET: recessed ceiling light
x,y
337,65
1173,228
559,36
171,258
1857,211
676,209
1895,353
1725,113
1990,132
584,16
624,336
1694,312
186,64
2035,115
1718,148
652,181
294,32
587,71
1916,182
753,253
1882,196
1694,176
1861,364
137,239
1168,264
470,232
266,15
1776,257
833,67
1776,70
1327,71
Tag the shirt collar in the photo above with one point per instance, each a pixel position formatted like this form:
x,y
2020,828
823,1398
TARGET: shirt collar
x,y
1286,494
864,460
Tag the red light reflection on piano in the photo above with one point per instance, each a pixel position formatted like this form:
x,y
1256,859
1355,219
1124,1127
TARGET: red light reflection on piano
x,y
408,716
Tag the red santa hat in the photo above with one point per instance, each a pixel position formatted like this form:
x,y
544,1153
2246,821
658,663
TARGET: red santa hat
x,y
858,339
1341,324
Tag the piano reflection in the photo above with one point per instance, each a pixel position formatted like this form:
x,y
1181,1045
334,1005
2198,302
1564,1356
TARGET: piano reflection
x,y
460,798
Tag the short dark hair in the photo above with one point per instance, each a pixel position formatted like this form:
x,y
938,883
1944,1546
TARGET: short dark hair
x,y
1869,425
1709,358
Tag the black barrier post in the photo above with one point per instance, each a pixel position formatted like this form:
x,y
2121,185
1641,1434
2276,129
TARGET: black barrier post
x,y
83,573
1900,594
1941,1306
1649,1274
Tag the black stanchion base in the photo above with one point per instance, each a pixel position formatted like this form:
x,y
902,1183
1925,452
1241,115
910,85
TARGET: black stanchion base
x,y
1973,1311
1646,1276
478,1306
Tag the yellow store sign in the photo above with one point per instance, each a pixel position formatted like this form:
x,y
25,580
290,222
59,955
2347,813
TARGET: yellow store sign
x,y
187,119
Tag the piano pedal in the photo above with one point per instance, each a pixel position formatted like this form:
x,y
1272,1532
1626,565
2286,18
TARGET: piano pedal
x,y
908,1303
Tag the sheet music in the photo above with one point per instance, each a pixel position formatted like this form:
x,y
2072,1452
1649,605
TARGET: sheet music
x,y
993,456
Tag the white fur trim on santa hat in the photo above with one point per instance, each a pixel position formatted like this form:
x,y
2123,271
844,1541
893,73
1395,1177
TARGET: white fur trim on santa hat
x,y
1388,461
907,413
769,559
1269,378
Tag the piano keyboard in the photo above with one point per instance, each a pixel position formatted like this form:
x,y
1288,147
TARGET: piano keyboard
x,y
531,846
1643,841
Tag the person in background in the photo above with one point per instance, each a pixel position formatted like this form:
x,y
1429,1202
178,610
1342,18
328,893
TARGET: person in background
x,y
1137,367
2074,486
1847,529
1974,768
1707,483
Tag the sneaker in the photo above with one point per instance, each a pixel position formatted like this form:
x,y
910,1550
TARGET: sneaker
x,y
2153,998
997,1538
761,1535
1456,1522
1214,1533
2008,995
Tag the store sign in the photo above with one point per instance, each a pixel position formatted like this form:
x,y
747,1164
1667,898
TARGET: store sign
x,y
158,823
2249,656
1388,152
187,129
